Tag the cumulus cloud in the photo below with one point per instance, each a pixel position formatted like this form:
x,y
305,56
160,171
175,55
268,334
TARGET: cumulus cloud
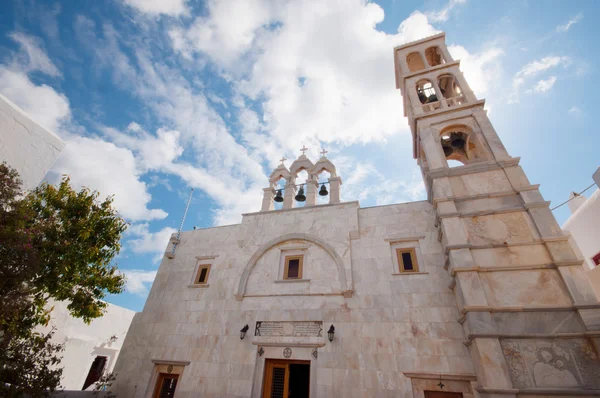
x,y
570,22
111,170
44,104
141,240
138,281
479,69
157,7
32,56
543,85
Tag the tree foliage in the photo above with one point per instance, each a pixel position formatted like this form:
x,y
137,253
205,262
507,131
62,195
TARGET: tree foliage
x,y
55,243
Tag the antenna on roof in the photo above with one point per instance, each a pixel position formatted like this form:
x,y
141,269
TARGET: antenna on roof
x,y
175,239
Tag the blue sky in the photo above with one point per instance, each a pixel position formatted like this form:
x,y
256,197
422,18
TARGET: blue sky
x,y
156,97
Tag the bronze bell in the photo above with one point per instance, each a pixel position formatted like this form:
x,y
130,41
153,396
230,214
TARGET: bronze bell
x,y
279,197
447,150
458,141
300,197
323,190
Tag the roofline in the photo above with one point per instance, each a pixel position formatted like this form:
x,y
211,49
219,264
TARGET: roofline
x,y
424,40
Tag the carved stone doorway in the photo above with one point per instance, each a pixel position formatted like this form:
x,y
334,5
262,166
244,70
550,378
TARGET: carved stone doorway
x,y
286,379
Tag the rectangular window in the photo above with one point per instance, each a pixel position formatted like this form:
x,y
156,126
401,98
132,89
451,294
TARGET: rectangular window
x,y
203,271
293,267
407,260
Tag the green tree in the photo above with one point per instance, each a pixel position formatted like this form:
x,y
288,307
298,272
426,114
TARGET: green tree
x,y
55,243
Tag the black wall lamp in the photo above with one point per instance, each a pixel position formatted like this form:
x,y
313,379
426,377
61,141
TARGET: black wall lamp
x,y
243,332
330,333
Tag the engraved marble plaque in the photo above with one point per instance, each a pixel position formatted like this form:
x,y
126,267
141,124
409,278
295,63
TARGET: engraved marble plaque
x,y
294,329
557,363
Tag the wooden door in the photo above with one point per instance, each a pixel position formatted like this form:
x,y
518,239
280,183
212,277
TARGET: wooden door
x,y
442,394
165,385
277,378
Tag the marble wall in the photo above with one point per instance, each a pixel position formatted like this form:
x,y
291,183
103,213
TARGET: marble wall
x,y
386,323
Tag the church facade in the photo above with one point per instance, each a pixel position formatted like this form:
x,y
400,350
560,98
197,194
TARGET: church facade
x,y
474,292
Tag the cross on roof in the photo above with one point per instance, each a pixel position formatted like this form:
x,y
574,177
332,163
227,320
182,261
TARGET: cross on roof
x,y
303,149
323,152
283,159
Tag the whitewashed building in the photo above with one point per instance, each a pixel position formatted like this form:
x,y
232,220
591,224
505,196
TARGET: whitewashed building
x,y
474,292
25,145
584,227
89,350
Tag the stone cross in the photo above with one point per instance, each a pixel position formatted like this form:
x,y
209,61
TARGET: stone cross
x,y
323,152
283,159
303,149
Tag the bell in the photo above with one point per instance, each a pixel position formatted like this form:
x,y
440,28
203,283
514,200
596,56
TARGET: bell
x,y
300,196
323,190
458,141
447,150
279,197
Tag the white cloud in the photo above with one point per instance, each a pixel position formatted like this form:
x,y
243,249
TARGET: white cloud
x,y
574,111
479,69
443,14
110,170
32,57
534,68
143,241
543,85
46,106
153,152
157,7
138,281
571,22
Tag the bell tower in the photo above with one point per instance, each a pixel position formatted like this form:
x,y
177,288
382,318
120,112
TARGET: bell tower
x,y
530,319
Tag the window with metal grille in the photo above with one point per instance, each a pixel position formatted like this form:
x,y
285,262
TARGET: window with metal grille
x,y
166,385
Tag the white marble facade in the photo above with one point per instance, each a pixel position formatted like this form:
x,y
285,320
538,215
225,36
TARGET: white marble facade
x,y
499,306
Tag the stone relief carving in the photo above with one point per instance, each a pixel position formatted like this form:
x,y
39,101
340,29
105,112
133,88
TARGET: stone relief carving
x,y
296,329
552,363
498,229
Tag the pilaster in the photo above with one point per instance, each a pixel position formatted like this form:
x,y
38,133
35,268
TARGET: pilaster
x,y
334,189
267,203
288,195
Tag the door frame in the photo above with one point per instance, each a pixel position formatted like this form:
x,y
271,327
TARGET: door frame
x,y
305,352
276,362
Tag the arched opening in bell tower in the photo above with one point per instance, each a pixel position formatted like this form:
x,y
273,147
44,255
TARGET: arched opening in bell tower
x,y
302,177
414,61
434,56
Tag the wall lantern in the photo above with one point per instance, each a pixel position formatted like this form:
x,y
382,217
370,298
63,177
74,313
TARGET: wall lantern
x,y
243,332
330,333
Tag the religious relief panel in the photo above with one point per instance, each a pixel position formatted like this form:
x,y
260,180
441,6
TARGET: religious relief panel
x,y
555,363
293,329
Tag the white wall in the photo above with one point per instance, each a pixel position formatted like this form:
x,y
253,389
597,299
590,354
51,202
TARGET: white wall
x,y
85,342
25,145
584,226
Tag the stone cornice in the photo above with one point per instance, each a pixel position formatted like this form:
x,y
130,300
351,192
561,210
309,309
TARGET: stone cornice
x,y
443,376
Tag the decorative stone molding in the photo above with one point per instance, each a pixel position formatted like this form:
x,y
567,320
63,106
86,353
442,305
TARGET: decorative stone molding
x,y
200,258
293,236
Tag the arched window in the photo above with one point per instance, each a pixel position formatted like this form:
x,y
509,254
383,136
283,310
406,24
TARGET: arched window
x,y
434,56
460,146
426,92
415,62
449,86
